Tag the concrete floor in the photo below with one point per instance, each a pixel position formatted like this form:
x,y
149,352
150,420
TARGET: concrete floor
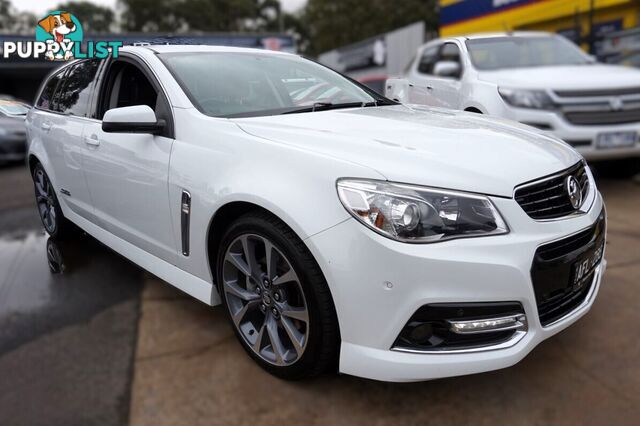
x,y
66,341
189,369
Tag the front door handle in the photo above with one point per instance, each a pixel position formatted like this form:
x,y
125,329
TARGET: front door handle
x,y
46,126
92,140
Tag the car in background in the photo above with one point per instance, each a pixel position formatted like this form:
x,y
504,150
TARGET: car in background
x,y
628,60
13,136
374,82
535,78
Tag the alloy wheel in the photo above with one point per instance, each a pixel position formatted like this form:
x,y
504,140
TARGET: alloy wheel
x,y
46,201
265,299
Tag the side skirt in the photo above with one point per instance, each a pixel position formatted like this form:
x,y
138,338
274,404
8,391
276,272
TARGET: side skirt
x,y
190,284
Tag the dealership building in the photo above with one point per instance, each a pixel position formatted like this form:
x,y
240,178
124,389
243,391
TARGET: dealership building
x,y
582,21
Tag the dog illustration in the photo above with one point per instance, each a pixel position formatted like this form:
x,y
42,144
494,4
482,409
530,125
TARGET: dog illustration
x,y
59,26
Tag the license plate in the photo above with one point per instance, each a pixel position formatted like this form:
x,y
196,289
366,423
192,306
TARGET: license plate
x,y
583,267
616,140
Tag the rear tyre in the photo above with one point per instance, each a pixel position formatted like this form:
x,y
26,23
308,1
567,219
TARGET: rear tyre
x,y
54,222
276,298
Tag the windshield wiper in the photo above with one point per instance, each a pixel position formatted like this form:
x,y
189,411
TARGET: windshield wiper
x,y
323,106
326,106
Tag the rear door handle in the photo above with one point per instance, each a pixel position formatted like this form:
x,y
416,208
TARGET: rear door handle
x,y
92,140
46,126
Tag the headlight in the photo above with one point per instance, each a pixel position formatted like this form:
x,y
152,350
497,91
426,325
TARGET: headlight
x,y
536,99
419,215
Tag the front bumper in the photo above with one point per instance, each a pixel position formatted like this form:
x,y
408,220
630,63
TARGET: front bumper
x,y
377,284
582,138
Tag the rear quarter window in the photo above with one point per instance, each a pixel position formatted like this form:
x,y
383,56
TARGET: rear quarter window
x,y
45,101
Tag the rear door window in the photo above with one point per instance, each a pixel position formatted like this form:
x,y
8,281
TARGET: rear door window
x,y
77,88
45,101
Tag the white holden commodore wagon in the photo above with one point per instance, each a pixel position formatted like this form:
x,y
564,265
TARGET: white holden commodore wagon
x,y
339,229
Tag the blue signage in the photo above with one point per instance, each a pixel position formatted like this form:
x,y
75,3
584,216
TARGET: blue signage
x,y
465,10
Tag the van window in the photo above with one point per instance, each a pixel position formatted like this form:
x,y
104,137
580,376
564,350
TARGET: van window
x,y
75,95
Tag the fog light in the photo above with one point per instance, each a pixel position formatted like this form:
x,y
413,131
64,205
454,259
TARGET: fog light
x,y
488,325
421,333
442,327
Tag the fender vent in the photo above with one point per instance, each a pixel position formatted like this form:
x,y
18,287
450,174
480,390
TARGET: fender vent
x,y
185,217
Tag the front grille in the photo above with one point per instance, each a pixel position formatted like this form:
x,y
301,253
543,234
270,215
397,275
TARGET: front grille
x,y
552,268
589,93
548,197
13,147
556,308
561,248
587,118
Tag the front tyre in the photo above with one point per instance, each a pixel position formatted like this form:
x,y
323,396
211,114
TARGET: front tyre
x,y
277,299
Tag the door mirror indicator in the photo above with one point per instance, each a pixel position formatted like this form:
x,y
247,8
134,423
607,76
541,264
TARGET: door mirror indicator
x,y
133,119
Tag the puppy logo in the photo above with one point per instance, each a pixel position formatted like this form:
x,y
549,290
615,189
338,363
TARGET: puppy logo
x,y
60,30
59,37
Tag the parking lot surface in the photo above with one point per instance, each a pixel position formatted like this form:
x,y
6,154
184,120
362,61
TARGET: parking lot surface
x,y
106,343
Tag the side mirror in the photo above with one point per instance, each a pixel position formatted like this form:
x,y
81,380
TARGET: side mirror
x,y
133,119
397,89
447,69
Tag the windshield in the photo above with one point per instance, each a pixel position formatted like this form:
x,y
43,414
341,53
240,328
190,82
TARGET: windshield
x,y
222,84
518,52
13,108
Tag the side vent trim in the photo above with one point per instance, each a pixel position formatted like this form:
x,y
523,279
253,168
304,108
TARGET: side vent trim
x,y
185,216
